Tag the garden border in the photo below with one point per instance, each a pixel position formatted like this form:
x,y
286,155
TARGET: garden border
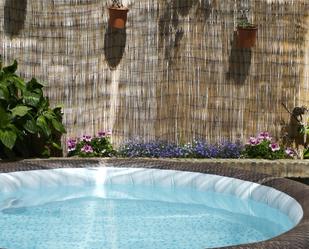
x,y
296,238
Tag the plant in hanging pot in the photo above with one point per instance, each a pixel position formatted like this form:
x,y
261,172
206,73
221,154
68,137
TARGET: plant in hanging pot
x,y
246,33
117,15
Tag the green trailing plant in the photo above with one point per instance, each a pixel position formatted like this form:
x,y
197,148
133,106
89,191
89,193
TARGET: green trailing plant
x,y
28,126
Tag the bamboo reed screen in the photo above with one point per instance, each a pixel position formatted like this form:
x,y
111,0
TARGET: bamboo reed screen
x,y
174,73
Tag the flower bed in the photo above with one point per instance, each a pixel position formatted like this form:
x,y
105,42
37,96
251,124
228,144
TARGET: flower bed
x,y
263,146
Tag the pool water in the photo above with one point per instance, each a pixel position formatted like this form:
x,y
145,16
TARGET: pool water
x,y
131,217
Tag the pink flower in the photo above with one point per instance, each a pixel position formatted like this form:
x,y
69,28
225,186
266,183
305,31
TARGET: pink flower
x,y
72,144
87,149
253,141
274,147
264,135
105,133
86,138
101,133
290,152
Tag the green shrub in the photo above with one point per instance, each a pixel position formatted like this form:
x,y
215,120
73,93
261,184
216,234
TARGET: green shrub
x,y
28,126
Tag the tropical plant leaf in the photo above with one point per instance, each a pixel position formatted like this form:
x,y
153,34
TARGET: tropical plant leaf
x,y
16,81
42,124
8,138
5,118
31,126
57,146
33,84
20,111
4,92
49,115
31,99
43,105
12,68
58,126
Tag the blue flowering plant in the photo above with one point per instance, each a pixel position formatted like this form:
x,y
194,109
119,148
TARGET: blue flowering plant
x,y
163,149
88,146
263,146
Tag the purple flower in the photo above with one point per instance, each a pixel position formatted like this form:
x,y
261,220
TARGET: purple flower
x,y
109,133
102,134
87,149
253,141
274,147
290,152
264,135
71,144
86,138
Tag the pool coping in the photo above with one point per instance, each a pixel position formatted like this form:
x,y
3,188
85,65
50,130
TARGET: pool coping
x,y
296,238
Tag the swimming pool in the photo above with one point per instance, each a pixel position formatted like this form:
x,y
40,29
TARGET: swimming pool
x,y
127,207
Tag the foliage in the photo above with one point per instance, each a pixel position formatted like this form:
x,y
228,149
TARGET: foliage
x,y
243,22
28,126
306,153
263,147
87,146
196,149
305,132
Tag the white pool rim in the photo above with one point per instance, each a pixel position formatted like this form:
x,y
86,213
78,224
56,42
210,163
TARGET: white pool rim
x,y
37,179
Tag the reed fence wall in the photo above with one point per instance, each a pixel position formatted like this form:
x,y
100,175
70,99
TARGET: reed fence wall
x,y
174,73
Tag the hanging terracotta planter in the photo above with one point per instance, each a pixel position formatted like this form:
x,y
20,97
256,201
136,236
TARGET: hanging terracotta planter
x,y
246,36
117,15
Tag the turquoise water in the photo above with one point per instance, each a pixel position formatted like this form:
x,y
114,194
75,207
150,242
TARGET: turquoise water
x,y
133,217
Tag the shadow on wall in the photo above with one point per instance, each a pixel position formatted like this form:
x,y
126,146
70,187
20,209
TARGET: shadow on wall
x,y
239,63
171,23
183,7
114,46
205,9
14,16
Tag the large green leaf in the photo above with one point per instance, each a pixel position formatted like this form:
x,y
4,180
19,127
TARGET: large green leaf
x,y
20,111
12,68
4,92
5,118
33,84
49,115
31,126
31,99
42,124
58,126
306,153
18,82
8,138
55,145
43,105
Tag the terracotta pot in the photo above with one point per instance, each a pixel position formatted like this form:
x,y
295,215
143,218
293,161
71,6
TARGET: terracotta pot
x,y
118,17
246,36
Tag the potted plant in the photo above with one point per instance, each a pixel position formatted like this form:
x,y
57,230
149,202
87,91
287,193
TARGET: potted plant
x,y
246,33
117,15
